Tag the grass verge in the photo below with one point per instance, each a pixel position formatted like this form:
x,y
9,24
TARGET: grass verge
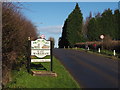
x,y
104,53
21,79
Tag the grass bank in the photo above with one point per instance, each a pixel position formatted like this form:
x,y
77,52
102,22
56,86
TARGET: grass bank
x,y
21,79
105,53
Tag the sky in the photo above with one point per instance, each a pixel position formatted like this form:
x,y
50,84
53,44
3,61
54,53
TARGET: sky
x,y
49,17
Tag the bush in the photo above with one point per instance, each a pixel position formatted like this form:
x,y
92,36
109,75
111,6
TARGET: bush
x,y
107,43
15,32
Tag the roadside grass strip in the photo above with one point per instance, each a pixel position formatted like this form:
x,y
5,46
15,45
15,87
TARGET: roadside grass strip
x,y
22,79
105,53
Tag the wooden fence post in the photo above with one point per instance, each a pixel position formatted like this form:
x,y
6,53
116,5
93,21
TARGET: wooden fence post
x,y
114,53
88,48
99,50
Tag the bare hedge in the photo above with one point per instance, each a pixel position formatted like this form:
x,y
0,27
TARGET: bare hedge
x,y
15,31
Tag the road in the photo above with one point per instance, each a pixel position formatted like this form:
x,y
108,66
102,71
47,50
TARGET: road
x,y
89,70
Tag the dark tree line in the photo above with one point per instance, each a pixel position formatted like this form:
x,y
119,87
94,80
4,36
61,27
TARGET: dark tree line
x,y
75,30
106,23
15,32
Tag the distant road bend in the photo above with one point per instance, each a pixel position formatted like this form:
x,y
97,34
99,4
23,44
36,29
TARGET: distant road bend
x,y
89,70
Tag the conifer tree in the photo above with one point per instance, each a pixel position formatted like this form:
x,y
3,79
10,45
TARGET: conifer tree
x,y
74,26
64,42
117,24
92,30
108,23
72,29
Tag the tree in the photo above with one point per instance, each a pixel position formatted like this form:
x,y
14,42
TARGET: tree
x,y
63,40
85,25
72,29
117,24
15,32
60,42
105,23
108,23
93,32
74,26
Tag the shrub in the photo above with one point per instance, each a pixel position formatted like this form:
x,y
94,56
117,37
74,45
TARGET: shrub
x,y
107,42
15,31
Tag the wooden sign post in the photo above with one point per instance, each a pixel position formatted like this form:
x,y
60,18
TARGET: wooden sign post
x,y
102,37
51,56
28,55
40,50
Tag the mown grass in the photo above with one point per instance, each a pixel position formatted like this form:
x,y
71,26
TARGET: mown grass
x,y
22,79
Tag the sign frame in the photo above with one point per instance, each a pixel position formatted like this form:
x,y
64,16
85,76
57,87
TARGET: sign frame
x,y
29,55
40,48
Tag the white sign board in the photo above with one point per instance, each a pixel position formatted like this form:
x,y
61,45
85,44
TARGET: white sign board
x,y
40,60
40,53
40,48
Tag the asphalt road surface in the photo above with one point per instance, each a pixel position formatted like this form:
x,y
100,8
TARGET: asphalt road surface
x,y
89,70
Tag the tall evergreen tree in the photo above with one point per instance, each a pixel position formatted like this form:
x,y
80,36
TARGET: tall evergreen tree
x,y
74,26
60,42
72,29
64,42
92,32
117,24
108,23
